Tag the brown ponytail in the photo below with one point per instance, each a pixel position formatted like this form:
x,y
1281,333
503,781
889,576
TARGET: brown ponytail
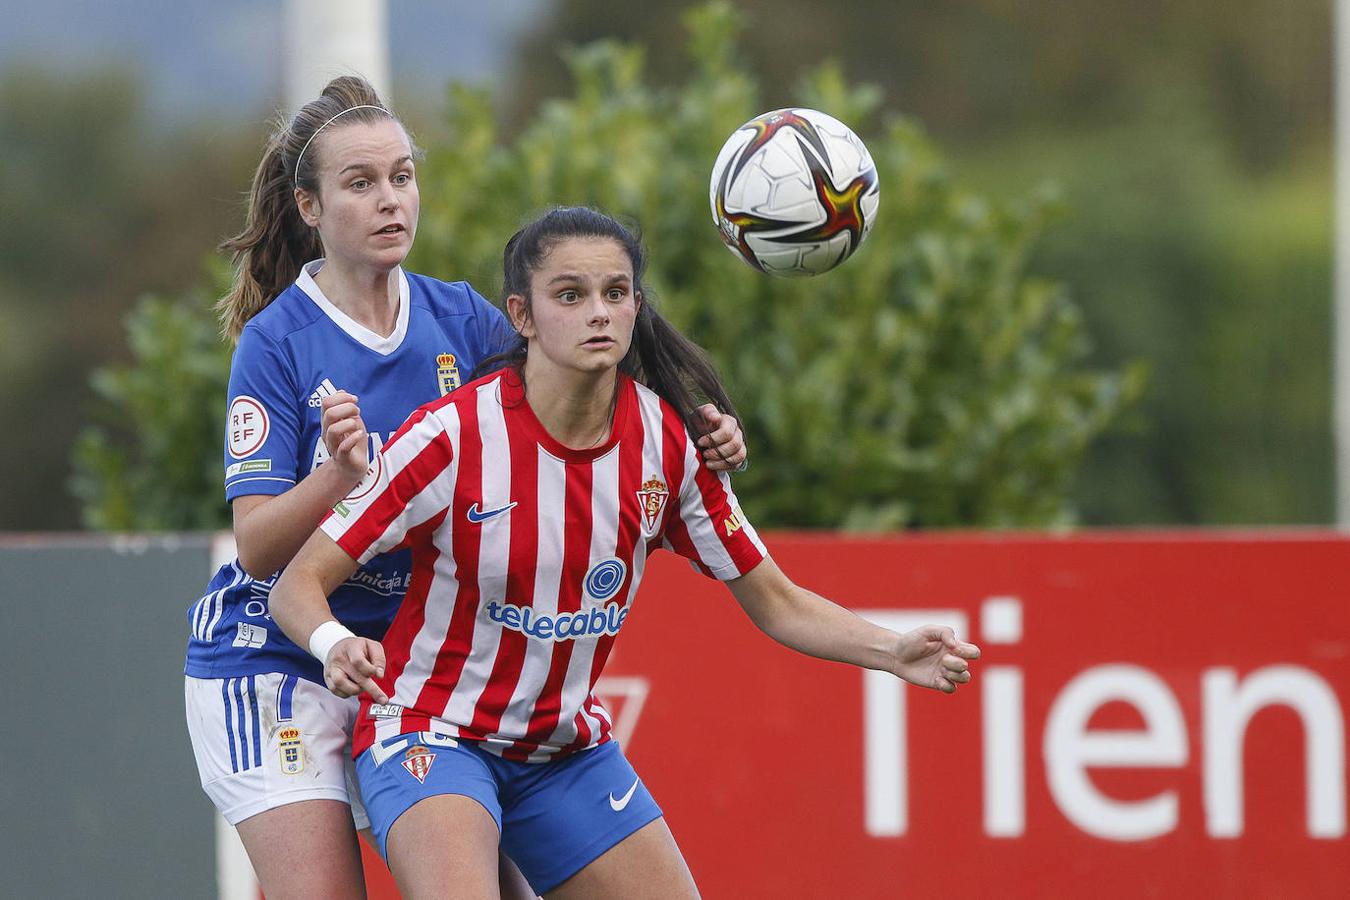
x,y
275,241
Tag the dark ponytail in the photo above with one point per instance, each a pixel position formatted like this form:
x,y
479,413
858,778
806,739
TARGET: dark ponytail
x,y
659,357
275,241
674,367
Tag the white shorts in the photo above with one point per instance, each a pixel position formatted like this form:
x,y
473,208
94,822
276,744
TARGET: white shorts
x,y
264,741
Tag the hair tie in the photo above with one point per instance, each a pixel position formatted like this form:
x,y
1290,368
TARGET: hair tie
x,y
301,156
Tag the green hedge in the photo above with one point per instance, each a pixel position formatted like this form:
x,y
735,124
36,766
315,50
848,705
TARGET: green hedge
x,y
930,381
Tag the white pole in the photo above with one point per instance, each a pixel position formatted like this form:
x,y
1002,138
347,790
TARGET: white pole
x,y
324,38
1341,307
327,38
235,878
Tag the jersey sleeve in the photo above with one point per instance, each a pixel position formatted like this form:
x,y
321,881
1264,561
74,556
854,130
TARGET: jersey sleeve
x,y
708,527
409,482
495,334
263,420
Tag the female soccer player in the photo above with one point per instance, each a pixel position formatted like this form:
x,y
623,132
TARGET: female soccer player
x,y
326,319
530,500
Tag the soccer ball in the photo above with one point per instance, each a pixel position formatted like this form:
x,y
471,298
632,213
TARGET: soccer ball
x,y
793,192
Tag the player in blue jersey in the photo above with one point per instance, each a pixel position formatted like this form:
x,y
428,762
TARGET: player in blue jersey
x,y
336,345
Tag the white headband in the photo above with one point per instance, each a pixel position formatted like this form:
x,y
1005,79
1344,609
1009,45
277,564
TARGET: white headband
x,y
325,125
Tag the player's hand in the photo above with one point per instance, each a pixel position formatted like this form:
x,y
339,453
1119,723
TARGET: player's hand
x,y
344,434
722,444
932,657
352,667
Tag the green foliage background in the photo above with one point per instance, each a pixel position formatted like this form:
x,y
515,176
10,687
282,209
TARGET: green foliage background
x,y
931,381
1221,278
1191,143
151,457
98,206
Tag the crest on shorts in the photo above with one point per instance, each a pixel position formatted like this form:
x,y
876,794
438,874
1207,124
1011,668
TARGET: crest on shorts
x,y
418,762
652,501
292,751
447,373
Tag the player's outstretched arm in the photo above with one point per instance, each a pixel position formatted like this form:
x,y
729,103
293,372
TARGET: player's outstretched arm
x,y
299,604
929,657
269,530
722,443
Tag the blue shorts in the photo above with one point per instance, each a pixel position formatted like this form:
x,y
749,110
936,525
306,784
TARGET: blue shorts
x,y
554,817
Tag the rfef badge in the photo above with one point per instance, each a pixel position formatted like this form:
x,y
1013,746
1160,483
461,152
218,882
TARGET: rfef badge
x,y
292,751
447,373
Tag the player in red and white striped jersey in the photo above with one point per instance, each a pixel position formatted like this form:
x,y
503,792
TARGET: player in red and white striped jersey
x,y
531,499
528,556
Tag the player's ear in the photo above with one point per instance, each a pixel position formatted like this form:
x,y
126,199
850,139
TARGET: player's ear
x,y
307,202
518,308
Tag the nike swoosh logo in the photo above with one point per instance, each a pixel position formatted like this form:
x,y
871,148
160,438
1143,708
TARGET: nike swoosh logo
x,y
475,515
618,805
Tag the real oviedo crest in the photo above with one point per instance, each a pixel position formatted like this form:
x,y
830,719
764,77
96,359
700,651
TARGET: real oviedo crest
x,y
292,751
447,373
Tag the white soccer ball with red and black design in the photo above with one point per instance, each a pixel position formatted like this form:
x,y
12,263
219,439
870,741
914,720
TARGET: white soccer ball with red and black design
x,y
794,192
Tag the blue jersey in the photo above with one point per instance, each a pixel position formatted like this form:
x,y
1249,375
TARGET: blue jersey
x,y
297,350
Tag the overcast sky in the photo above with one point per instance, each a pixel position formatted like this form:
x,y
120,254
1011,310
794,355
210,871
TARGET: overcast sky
x,y
187,50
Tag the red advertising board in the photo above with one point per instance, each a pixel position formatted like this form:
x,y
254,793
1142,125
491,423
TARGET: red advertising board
x,y
1154,715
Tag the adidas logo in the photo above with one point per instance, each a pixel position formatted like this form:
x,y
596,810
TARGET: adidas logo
x,y
324,389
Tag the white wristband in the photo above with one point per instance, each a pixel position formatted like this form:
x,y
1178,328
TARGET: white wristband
x,y
322,639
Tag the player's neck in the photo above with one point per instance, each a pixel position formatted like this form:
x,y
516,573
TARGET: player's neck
x,y
368,296
575,408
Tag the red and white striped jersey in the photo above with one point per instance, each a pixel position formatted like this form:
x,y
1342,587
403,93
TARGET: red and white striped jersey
x,y
526,559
